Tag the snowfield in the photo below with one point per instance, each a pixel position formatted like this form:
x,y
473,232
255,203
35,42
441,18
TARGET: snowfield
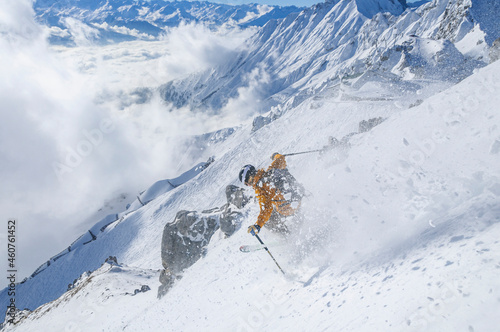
x,y
403,227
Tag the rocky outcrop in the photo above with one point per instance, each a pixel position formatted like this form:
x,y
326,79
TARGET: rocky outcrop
x,y
367,125
185,239
495,51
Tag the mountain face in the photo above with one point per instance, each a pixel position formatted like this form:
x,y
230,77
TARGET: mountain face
x,y
116,20
332,43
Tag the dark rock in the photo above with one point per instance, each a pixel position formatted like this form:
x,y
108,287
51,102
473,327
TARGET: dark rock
x,y
236,196
367,125
230,220
495,51
111,260
184,239
144,289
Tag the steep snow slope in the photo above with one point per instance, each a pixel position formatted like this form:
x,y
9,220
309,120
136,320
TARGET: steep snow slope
x,y
314,50
35,290
404,222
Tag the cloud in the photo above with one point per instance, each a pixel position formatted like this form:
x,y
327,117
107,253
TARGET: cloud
x,y
16,21
124,30
195,47
82,34
75,132
248,100
261,10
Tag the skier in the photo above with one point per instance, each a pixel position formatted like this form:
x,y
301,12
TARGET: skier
x,y
278,192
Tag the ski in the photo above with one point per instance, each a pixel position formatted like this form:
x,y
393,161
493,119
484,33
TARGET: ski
x,y
257,247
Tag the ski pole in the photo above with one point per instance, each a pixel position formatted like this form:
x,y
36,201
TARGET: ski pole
x,y
296,153
265,247
332,142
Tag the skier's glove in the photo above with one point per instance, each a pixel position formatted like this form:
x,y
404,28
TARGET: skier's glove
x,y
254,229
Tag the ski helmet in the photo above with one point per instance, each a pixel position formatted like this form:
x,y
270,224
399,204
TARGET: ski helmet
x,y
246,172
275,156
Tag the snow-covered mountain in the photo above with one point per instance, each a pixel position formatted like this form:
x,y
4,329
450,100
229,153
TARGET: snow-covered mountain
x,y
401,222
112,20
330,44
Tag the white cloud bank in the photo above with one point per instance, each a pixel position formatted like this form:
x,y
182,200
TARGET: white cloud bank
x,y
68,142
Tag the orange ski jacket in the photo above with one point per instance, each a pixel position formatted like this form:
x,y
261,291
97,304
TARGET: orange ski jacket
x,y
270,198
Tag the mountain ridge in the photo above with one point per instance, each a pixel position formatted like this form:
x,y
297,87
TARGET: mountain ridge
x,y
327,42
115,21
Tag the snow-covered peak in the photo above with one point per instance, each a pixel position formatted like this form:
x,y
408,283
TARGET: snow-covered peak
x,y
312,51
